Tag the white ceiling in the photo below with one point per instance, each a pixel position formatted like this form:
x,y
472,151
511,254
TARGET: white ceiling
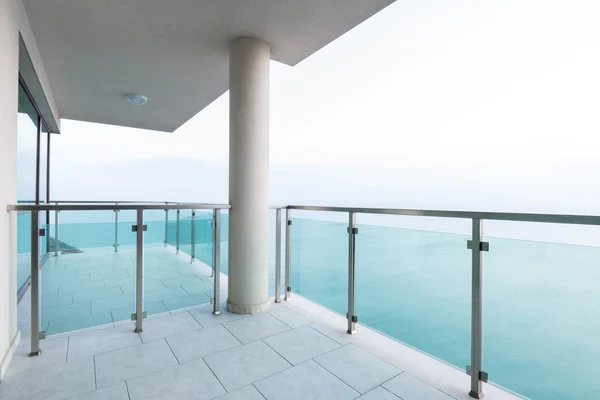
x,y
174,52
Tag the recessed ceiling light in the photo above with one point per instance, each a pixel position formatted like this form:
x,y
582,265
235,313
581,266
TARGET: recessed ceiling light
x,y
137,99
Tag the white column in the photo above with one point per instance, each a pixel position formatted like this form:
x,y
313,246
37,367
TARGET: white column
x,y
9,78
248,175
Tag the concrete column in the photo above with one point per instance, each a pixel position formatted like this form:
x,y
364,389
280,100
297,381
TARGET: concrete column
x,y
9,97
248,175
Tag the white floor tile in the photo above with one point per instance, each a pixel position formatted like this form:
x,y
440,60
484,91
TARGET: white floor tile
x,y
59,382
246,364
357,367
206,318
114,392
289,317
101,341
307,381
256,327
408,387
192,380
167,325
53,352
379,393
130,362
301,344
341,337
202,342
246,393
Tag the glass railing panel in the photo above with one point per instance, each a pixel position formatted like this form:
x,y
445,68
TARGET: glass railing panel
x,y
155,234
172,229
45,239
542,309
86,229
185,232
319,258
124,239
23,248
203,235
272,253
88,284
413,283
224,242
203,239
172,281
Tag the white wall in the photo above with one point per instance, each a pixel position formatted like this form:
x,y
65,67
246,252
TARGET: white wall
x,y
9,75
13,19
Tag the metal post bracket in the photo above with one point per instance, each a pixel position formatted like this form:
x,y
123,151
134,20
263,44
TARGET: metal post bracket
x,y
134,316
483,376
353,319
483,246
289,222
134,228
354,230
42,232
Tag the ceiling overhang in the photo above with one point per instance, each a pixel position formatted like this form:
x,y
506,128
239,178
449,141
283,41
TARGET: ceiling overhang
x,y
95,52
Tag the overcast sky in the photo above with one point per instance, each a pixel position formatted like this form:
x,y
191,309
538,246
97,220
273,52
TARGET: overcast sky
x,y
431,103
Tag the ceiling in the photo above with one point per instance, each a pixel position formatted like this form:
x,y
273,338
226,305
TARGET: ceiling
x,y
173,52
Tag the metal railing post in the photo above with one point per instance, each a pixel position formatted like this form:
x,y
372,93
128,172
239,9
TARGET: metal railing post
x,y
213,225
193,237
217,261
476,368
166,227
288,255
56,240
35,284
177,235
139,228
278,255
116,245
352,231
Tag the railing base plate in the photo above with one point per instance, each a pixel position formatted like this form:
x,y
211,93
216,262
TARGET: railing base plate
x,y
476,395
34,353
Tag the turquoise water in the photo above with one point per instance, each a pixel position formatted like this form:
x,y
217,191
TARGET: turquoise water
x,y
541,300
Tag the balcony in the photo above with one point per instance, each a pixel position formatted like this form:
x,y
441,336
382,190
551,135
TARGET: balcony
x,y
139,313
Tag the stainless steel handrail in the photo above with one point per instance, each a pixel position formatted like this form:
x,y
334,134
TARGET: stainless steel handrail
x,y
102,202
113,207
483,215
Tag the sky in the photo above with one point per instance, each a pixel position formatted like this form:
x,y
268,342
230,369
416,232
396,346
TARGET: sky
x,y
462,104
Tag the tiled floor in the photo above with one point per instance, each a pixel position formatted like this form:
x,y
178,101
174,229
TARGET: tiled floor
x,y
279,354
97,287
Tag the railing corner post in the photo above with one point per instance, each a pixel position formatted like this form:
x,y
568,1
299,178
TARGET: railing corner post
x,y
139,275
193,240
56,239
288,255
352,231
476,368
217,261
177,233
35,288
166,226
116,245
278,255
